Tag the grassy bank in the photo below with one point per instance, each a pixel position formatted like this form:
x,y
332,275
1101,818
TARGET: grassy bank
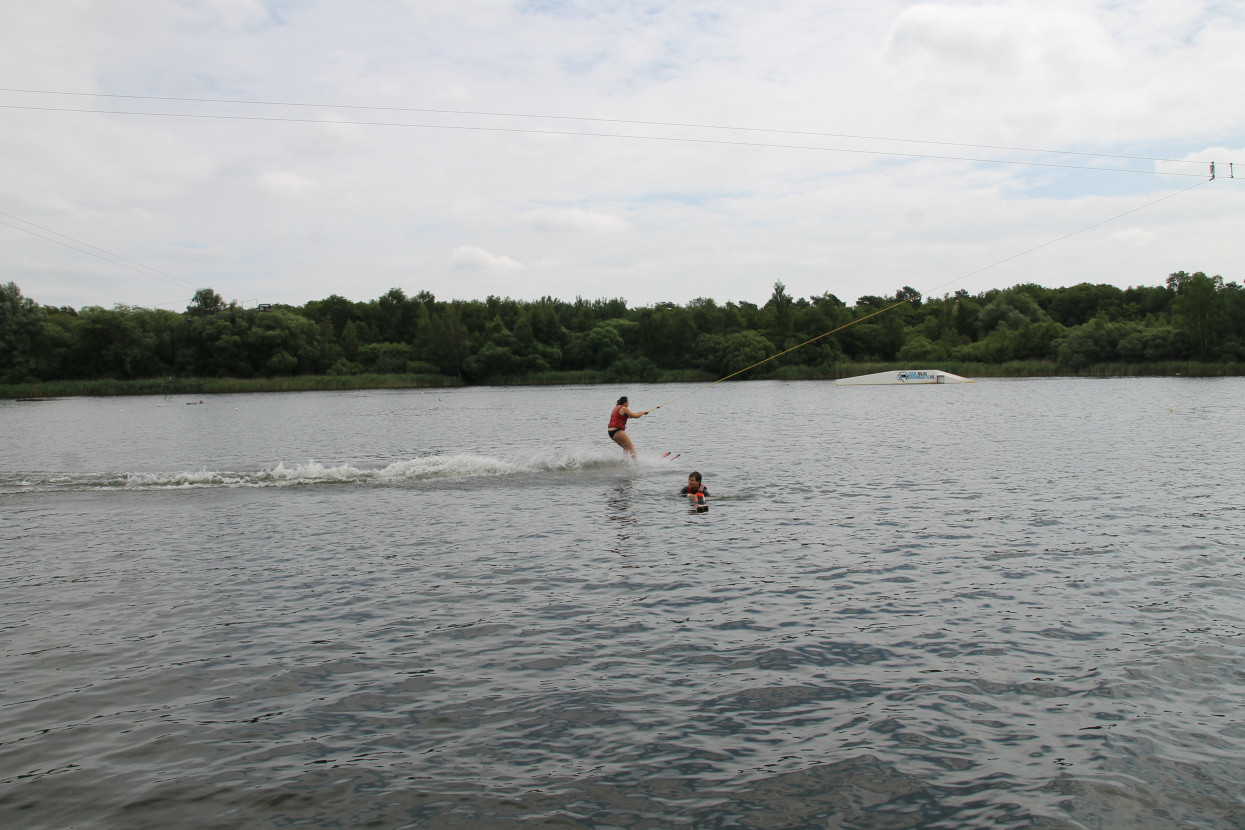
x,y
596,376
221,386
313,383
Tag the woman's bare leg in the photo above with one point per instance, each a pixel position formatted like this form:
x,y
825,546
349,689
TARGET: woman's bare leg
x,y
623,440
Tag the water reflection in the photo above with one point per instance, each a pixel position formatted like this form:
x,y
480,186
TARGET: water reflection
x,y
621,514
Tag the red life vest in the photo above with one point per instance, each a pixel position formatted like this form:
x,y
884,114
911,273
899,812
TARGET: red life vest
x,y
617,419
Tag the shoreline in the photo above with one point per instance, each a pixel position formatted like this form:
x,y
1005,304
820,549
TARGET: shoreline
x,y
46,390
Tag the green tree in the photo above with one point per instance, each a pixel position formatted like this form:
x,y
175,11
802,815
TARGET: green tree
x,y
707,316
1078,304
1145,300
780,315
205,301
964,312
216,346
744,349
709,354
447,345
385,358
1198,313
599,348
1091,343
395,317
330,352
666,334
280,342
1148,344
1233,297
1036,341
349,340
893,335
107,344
917,349
1011,308
634,370
337,310
21,327
346,367
54,361
492,361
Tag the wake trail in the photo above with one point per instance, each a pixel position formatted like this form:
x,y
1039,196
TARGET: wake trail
x,y
447,468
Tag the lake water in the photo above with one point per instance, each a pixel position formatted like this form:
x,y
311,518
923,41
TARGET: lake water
x,y
1016,603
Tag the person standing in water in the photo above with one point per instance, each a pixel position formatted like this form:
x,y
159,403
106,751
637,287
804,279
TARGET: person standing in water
x,y
618,424
695,486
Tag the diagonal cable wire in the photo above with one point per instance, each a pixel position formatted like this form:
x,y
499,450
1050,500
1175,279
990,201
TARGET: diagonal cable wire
x,y
95,251
936,288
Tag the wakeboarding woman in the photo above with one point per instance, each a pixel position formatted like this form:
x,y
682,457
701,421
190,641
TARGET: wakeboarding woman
x,y
618,424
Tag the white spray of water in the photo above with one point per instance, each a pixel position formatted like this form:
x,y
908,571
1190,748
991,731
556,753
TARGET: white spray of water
x,y
449,467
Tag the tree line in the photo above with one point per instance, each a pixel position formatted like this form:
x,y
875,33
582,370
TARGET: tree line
x,y
1192,317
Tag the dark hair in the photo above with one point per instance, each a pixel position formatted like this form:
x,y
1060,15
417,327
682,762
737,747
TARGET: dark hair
x,y
696,476
622,400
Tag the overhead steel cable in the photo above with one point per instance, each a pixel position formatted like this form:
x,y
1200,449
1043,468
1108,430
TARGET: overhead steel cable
x,y
93,250
485,113
678,139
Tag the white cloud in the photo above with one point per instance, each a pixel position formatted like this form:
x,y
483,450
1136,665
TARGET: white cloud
x,y
286,184
1002,44
574,220
295,211
230,14
468,258
1132,236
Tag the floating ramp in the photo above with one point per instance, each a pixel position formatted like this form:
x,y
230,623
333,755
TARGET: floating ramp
x,y
906,377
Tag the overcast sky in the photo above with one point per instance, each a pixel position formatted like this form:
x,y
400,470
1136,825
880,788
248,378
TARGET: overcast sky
x,y
654,150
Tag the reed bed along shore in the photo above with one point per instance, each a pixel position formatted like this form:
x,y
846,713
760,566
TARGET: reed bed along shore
x,y
221,386
311,383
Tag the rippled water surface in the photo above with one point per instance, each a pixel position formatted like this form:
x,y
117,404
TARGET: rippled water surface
x,y
1010,603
